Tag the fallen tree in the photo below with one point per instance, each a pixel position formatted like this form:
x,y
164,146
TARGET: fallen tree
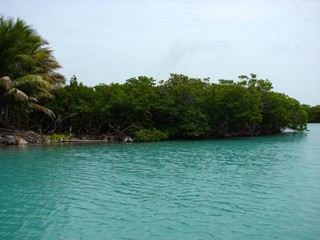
x,y
20,137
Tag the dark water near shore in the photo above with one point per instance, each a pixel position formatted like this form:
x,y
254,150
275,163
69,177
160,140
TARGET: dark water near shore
x,y
244,188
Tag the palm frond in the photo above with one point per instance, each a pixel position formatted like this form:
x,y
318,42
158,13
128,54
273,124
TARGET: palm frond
x,y
17,95
6,83
33,80
34,100
34,85
43,109
55,79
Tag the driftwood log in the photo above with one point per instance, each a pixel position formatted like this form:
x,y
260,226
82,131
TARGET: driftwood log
x,y
20,137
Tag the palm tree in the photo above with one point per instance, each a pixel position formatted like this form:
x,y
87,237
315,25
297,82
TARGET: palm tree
x,y
20,96
27,71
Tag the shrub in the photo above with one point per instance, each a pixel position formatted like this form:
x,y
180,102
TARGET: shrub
x,y
56,137
147,135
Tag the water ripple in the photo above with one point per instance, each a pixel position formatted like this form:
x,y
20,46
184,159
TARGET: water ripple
x,y
251,188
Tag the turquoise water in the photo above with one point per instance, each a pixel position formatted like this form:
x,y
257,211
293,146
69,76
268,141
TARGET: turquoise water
x,y
244,188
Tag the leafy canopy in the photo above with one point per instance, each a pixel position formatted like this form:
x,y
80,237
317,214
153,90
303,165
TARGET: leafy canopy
x,y
27,71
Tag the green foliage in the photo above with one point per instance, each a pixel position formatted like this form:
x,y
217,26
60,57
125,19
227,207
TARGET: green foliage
x,y
280,112
78,101
24,52
27,73
146,135
313,113
180,107
234,107
57,137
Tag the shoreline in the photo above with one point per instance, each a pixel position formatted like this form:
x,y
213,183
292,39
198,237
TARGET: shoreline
x,y
15,137
47,142
18,137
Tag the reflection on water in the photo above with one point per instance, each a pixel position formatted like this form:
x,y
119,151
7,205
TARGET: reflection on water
x,y
241,188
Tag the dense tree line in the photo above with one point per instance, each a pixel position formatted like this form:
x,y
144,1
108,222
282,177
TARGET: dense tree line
x,y
313,113
180,107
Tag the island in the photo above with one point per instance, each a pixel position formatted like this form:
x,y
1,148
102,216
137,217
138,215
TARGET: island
x,y
37,106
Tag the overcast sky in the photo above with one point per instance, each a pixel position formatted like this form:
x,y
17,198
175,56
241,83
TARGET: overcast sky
x,y
104,41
